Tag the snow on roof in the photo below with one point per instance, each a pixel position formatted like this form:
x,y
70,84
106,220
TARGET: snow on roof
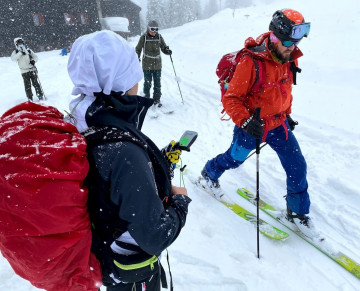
x,y
137,2
115,23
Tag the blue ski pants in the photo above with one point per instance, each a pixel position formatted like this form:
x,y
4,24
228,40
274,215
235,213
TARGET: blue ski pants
x,y
290,156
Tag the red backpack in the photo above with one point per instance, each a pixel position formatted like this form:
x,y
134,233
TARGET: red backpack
x,y
226,68
44,224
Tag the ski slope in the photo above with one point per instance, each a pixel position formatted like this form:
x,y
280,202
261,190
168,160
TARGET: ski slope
x,y
216,250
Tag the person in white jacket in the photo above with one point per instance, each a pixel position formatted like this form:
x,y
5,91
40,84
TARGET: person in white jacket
x,y
26,59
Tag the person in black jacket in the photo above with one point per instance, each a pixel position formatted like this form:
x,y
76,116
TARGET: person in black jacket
x,y
135,211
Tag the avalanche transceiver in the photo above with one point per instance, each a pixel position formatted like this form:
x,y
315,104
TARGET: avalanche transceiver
x,y
186,140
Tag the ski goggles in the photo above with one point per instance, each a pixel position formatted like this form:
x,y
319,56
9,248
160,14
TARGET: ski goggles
x,y
298,31
289,43
286,43
153,29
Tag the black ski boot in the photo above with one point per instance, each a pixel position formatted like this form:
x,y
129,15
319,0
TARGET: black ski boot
x,y
40,96
304,224
157,97
212,185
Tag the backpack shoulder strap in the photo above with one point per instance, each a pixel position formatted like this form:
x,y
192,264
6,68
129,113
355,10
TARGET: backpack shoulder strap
x,y
97,135
260,75
259,71
294,69
30,55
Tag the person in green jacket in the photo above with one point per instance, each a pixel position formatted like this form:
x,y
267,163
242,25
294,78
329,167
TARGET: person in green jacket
x,y
151,42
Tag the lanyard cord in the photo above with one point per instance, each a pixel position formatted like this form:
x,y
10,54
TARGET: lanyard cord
x,y
70,115
182,170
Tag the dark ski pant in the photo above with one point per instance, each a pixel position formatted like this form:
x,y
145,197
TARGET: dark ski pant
x,y
150,75
290,156
30,77
150,284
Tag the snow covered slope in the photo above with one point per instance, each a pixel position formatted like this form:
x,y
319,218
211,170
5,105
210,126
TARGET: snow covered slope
x,y
217,250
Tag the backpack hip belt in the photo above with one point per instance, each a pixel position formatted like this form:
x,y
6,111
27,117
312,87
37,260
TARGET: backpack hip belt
x,y
152,57
282,117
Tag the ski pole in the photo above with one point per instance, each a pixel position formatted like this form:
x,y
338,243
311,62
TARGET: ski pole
x,y
176,79
38,79
255,151
257,117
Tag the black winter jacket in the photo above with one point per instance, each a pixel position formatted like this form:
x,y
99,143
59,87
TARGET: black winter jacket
x,y
128,181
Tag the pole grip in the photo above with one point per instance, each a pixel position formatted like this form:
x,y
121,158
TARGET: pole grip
x,y
257,113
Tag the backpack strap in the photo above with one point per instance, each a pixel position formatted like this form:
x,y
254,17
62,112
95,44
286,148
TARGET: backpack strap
x,y
98,135
145,41
282,117
260,75
294,69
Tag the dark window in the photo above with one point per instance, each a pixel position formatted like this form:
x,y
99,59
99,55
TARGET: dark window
x,y
84,18
38,19
69,19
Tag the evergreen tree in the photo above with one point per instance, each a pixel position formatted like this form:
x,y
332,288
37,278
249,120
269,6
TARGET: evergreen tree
x,y
156,10
235,4
211,9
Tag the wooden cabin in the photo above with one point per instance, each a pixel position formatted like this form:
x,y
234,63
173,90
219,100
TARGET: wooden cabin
x,y
52,24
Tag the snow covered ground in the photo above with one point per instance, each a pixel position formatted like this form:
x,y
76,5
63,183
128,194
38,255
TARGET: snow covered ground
x,y
216,250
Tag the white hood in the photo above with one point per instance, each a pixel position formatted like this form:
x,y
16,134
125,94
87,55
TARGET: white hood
x,y
103,61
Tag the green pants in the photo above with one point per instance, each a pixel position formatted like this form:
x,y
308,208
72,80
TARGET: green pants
x,y
149,75
30,77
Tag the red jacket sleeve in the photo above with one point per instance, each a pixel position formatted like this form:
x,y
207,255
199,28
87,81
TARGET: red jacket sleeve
x,y
239,87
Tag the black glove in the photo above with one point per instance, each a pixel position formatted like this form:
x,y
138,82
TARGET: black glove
x,y
254,128
167,51
32,62
292,123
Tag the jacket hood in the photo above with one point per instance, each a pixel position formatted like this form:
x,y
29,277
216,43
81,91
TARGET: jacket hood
x,y
103,62
16,40
260,47
116,110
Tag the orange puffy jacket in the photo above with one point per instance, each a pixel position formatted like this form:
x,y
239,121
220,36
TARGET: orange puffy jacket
x,y
275,96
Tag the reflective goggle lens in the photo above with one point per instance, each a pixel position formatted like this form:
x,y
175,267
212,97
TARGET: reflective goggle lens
x,y
154,29
300,30
289,43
